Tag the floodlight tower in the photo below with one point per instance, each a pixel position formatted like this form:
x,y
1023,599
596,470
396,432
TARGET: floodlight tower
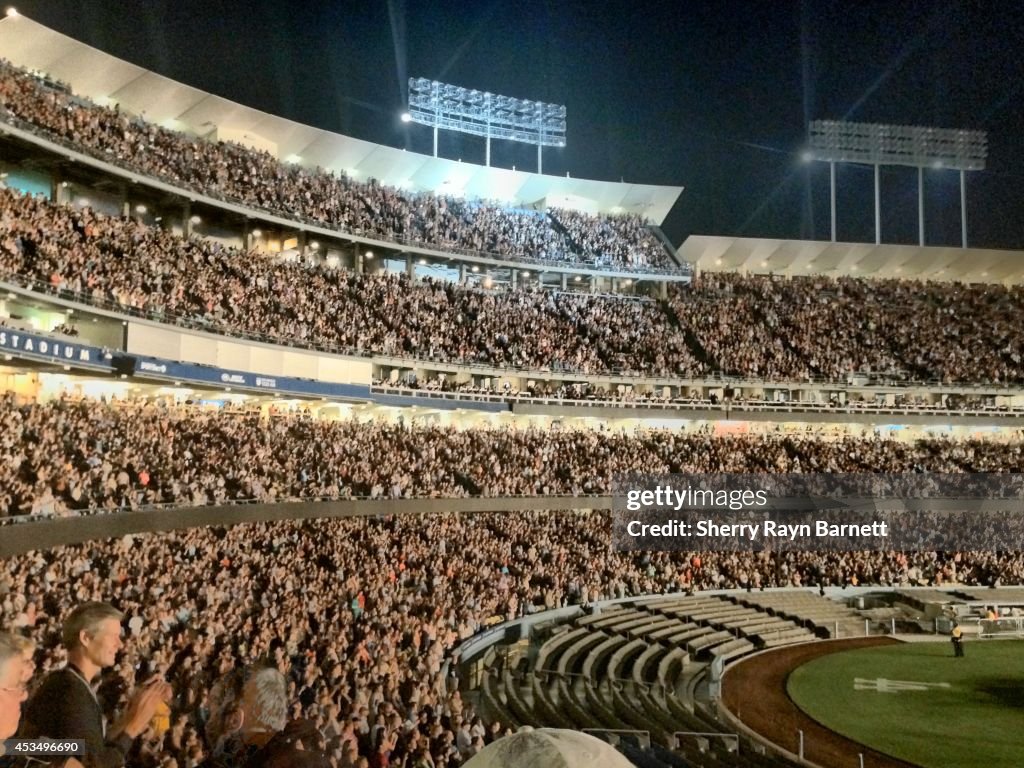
x,y
875,144
480,113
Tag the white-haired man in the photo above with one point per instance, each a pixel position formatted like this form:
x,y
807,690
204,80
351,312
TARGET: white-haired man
x,y
248,724
12,684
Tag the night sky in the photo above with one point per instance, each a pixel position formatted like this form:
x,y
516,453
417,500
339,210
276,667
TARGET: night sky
x,y
713,96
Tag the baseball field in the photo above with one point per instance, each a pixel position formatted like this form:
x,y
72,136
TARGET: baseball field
x,y
916,702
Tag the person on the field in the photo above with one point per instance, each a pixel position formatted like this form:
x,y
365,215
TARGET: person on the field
x,y
958,640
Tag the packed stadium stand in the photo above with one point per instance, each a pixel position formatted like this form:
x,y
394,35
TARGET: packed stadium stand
x,y
415,639
127,454
749,327
236,173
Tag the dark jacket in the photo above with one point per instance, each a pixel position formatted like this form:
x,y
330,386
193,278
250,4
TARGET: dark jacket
x,y
294,747
64,707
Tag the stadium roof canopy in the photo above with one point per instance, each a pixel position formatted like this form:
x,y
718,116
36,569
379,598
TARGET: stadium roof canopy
x,y
108,80
811,257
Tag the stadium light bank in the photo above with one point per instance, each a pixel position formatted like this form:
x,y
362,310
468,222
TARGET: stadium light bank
x,y
877,144
479,113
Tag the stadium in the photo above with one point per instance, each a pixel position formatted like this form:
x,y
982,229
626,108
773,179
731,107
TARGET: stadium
x,y
322,451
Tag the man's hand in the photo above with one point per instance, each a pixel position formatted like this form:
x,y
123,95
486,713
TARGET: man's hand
x,y
142,706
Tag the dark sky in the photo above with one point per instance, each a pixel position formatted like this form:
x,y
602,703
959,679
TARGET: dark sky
x,y
714,96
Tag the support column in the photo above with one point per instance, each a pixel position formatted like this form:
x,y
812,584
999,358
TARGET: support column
x,y
302,245
435,139
663,289
878,205
565,281
487,157
832,194
357,259
540,160
920,206
410,266
462,272
963,208
515,279
186,218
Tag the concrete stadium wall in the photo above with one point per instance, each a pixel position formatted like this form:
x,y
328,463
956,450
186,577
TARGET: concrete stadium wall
x,y
252,357
16,538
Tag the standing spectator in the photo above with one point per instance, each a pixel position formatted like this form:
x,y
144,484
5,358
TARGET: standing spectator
x,y
66,705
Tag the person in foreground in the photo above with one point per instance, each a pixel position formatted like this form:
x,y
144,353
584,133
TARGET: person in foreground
x,y
248,727
12,684
66,707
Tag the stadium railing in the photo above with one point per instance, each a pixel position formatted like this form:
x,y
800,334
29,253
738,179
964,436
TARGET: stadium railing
x,y
695,404
1005,626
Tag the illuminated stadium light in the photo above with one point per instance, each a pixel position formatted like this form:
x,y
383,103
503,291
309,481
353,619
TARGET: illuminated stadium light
x,y
140,208
912,145
195,220
479,113
878,144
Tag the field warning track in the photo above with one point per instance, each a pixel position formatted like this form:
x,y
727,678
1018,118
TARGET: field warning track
x,y
754,690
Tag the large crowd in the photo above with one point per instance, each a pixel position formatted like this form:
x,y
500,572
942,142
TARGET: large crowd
x,y
121,262
361,614
793,329
70,455
745,326
257,179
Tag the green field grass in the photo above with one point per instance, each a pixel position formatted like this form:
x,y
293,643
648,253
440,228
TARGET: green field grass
x,y
976,722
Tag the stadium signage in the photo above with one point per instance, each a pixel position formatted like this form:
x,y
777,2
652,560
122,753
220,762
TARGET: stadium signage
x,y
197,373
40,346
